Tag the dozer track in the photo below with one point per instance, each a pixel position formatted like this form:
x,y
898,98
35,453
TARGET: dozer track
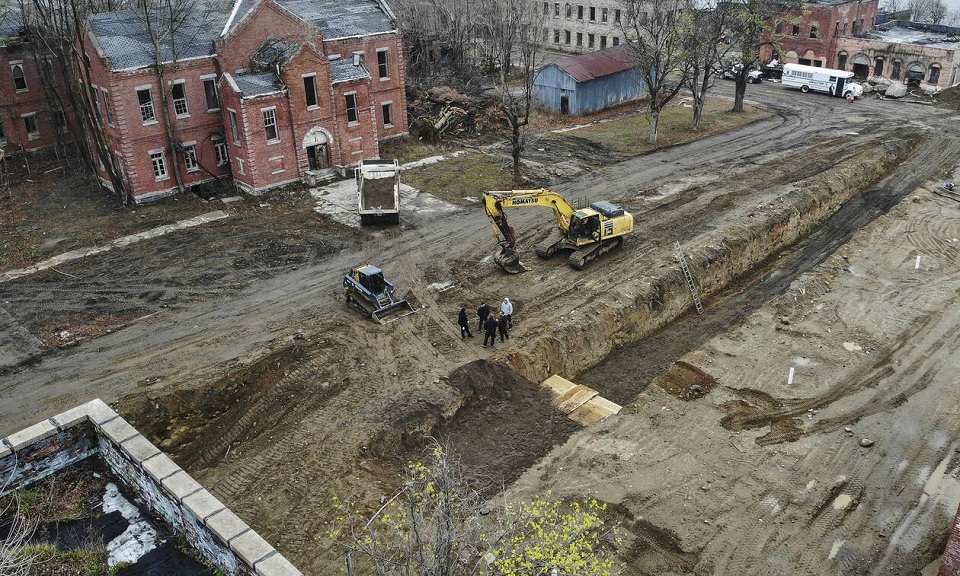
x,y
587,255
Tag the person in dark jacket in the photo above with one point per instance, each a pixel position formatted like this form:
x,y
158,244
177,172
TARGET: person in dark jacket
x,y
483,312
490,331
504,326
464,324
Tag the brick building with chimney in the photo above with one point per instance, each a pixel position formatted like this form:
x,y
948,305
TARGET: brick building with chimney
x,y
266,91
809,32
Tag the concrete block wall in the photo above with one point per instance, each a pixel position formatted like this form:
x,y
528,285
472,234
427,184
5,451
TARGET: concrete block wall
x,y
94,428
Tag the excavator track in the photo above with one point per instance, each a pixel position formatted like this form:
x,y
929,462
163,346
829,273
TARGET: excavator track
x,y
587,255
550,245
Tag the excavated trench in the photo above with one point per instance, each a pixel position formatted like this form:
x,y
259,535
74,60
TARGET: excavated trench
x,y
500,422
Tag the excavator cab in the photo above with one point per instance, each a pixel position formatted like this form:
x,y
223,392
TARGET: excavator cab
x,y
371,278
585,225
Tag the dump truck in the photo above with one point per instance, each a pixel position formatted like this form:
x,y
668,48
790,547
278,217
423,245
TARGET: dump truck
x,y
378,191
369,292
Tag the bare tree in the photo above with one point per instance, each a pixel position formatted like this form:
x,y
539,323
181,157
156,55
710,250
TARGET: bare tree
x,y
657,31
748,22
513,33
443,29
938,12
705,49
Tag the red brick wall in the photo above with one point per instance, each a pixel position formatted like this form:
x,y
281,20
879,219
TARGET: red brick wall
x,y
831,21
14,104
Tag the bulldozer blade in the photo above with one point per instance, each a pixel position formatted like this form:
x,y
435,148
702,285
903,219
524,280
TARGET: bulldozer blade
x,y
395,311
508,260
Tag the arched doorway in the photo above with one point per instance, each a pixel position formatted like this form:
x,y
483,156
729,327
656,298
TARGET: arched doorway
x,y
861,66
317,145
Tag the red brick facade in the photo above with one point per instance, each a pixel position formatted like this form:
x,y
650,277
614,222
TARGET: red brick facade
x,y
28,121
807,33
270,134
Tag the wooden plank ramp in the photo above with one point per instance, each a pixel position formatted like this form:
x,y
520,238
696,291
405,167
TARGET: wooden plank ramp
x,y
581,403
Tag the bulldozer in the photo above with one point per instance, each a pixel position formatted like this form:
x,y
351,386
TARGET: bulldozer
x,y
368,291
590,232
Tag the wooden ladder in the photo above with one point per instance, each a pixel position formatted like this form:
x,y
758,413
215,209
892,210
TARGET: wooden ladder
x,y
678,252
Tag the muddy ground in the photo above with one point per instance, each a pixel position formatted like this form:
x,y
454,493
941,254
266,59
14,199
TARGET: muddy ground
x,y
259,381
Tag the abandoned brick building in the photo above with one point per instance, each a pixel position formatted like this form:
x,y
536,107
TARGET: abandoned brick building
x,y
268,91
809,32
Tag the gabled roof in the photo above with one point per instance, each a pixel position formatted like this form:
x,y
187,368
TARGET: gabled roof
x,y
344,70
123,37
253,85
274,51
342,18
584,67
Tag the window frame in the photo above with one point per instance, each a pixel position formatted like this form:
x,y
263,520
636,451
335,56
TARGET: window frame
x,y
312,78
106,105
211,79
22,77
31,118
269,115
383,68
190,160
234,126
221,151
593,14
352,111
181,102
386,113
158,162
146,107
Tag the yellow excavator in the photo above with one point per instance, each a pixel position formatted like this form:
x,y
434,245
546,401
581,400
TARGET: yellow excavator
x,y
589,232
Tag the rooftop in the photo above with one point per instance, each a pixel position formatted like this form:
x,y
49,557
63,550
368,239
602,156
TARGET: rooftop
x,y
584,67
905,32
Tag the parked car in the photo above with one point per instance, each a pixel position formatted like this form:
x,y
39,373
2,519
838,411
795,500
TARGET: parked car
x,y
753,76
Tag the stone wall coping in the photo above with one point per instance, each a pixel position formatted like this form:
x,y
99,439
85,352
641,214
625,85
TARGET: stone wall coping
x,y
226,526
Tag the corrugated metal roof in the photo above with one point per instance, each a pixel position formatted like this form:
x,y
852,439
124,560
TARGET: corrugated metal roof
x,y
343,70
253,85
584,67
124,39
342,18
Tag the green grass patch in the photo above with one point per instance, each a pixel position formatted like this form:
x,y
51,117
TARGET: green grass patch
x,y
627,135
470,174
46,559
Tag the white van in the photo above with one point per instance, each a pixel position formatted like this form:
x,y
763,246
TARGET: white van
x,y
834,82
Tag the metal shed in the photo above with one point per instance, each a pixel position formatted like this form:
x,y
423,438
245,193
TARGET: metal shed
x,y
585,83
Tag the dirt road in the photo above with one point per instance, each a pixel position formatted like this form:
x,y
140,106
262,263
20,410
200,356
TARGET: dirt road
x,y
260,381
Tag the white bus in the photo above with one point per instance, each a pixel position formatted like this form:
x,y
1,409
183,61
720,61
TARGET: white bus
x,y
834,82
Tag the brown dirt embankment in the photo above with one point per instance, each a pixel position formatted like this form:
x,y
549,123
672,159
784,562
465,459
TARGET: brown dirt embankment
x,y
585,336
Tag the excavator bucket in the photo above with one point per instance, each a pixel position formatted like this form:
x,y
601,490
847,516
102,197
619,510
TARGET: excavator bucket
x,y
508,259
393,312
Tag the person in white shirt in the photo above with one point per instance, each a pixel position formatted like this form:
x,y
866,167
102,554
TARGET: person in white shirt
x,y
506,308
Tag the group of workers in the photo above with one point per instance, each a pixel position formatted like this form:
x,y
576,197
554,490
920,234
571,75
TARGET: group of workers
x,y
489,323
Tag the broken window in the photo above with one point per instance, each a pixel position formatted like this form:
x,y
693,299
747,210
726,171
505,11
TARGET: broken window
x,y
146,105
107,106
616,41
778,29
3,135
616,16
580,12
556,36
590,40
556,9
190,158
210,91
234,127
934,74
270,125
30,125
159,164
220,148
842,61
796,30
382,70
878,67
604,14
387,109
310,90
813,31
579,38
19,80
568,11
566,37
179,94
546,8
351,102
593,14
895,73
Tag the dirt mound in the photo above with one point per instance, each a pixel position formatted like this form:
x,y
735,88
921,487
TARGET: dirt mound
x,y
490,428
949,98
